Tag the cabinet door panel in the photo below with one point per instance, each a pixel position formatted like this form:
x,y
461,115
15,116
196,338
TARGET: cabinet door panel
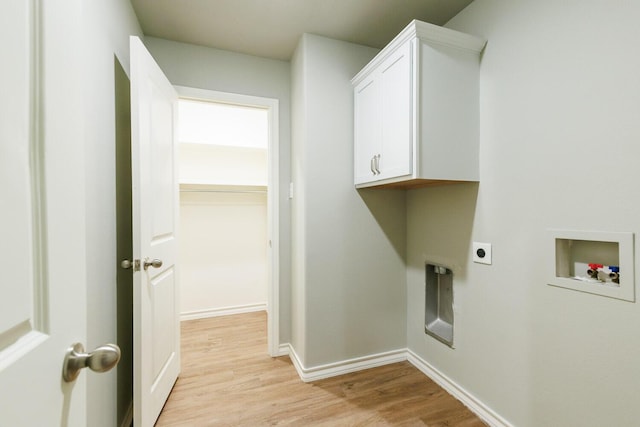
x,y
367,130
397,113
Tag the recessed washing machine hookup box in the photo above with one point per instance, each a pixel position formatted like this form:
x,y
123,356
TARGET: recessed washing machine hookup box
x,y
600,263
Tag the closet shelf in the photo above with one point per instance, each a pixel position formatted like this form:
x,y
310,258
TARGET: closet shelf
x,y
192,187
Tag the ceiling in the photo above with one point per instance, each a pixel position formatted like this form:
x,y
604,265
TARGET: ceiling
x,y
272,28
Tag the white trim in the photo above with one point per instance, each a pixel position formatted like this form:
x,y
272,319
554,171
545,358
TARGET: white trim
x,y
346,366
284,349
222,311
296,362
487,414
273,198
427,33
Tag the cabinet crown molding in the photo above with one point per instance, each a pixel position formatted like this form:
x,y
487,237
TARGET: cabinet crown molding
x,y
427,33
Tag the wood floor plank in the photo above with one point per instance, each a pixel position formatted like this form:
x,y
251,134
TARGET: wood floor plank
x,y
228,379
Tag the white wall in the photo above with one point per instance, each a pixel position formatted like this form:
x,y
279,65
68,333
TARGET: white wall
x,y
223,252
559,93
107,26
222,165
223,230
349,274
214,69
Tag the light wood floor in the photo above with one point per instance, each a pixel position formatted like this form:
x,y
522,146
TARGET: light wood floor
x,y
228,379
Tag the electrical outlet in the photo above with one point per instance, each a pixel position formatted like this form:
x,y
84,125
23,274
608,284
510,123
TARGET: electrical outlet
x,y
482,253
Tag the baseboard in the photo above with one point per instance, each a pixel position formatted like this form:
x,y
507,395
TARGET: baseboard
x,y
283,350
487,414
315,373
128,417
296,362
223,311
346,366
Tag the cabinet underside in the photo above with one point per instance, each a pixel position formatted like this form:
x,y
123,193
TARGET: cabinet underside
x,y
412,183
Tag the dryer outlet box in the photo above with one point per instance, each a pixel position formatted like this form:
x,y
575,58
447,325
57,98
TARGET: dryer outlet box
x,y
482,253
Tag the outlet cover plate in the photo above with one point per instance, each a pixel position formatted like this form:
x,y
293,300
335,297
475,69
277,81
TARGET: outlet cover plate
x,y
482,253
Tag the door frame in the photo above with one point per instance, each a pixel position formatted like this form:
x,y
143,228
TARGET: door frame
x,y
273,196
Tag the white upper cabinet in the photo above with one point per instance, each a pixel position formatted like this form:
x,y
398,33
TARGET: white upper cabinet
x,y
416,110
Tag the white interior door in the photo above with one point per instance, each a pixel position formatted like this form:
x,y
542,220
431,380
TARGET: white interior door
x,y
156,340
42,211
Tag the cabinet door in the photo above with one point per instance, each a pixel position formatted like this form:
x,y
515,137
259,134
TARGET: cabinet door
x,y
367,129
397,114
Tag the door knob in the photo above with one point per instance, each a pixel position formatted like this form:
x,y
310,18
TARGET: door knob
x,y
127,264
155,263
102,359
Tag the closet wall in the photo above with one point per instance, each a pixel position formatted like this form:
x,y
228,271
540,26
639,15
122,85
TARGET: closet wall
x,y
223,226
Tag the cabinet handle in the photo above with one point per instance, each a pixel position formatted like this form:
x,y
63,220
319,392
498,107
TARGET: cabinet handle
x,y
373,171
377,163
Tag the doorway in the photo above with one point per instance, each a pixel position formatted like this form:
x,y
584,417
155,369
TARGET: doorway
x,y
231,182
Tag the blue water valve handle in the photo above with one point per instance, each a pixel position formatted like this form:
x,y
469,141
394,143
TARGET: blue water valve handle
x,y
614,268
